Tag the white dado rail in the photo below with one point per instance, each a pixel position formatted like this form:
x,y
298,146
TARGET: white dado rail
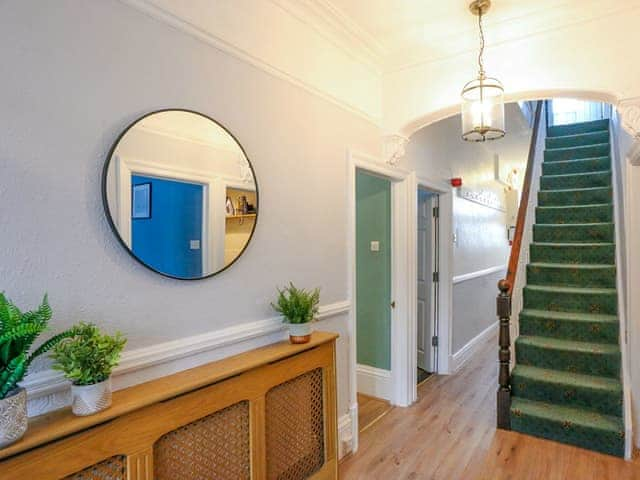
x,y
479,273
48,390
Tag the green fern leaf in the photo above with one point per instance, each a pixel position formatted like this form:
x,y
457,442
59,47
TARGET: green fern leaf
x,y
21,332
12,375
52,342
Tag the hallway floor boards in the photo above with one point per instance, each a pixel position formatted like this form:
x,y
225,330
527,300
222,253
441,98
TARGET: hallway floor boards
x,y
450,434
370,410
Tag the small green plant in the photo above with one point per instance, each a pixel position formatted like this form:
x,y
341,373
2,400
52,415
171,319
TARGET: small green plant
x,y
297,305
18,332
89,356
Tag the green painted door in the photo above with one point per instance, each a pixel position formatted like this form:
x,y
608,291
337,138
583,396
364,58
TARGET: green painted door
x,y
373,270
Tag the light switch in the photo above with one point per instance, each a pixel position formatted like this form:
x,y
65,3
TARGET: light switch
x,y
194,244
375,246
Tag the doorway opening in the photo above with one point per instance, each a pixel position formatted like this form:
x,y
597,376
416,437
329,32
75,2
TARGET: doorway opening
x,y
374,301
168,223
396,381
427,283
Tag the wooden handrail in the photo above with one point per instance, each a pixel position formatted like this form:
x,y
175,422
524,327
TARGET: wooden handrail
x,y
512,268
506,285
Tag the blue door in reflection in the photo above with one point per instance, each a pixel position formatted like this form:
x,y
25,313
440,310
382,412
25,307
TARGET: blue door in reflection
x,y
170,239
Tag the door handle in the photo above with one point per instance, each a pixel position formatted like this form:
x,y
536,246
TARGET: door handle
x,y
393,304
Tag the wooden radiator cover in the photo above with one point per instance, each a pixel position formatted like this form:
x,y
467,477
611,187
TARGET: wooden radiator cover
x,y
265,414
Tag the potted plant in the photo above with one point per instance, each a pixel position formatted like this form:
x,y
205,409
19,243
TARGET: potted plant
x,y
18,332
87,359
299,308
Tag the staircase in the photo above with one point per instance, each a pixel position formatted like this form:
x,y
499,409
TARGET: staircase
x,y
566,383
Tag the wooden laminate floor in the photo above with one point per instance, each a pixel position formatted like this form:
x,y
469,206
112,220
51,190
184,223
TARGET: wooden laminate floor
x,y
370,410
450,434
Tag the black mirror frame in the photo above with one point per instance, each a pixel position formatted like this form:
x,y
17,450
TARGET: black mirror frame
x,y
107,211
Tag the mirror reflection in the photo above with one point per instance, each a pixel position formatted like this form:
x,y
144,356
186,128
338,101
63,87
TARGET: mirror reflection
x,y
181,194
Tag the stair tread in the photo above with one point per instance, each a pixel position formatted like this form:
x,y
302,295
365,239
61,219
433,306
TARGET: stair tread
x,y
581,290
576,135
562,413
577,189
559,162
576,147
577,316
572,225
573,207
580,174
574,245
568,378
569,345
569,266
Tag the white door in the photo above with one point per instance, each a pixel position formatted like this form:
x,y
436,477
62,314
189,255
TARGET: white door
x,y
425,269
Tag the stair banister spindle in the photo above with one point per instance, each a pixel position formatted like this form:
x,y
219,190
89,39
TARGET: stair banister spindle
x,y
503,305
505,286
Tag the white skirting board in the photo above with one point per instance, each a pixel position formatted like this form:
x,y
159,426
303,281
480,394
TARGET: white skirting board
x,y
348,432
374,382
463,355
48,390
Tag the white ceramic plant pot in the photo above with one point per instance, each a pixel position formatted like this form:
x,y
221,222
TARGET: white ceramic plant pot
x,y
299,332
13,417
90,399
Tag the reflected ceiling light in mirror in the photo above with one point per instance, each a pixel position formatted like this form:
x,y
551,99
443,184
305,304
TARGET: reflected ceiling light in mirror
x,y
483,97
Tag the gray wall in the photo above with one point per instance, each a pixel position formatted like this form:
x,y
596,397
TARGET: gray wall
x,y
437,152
78,72
474,307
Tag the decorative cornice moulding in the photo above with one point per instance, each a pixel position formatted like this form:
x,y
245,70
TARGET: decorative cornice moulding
x,y
328,20
152,10
508,30
394,147
629,111
48,390
630,115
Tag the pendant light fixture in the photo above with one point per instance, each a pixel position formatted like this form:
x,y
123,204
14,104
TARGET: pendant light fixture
x,y
482,98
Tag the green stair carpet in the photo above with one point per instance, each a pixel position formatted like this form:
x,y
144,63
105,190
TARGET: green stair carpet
x,y
566,383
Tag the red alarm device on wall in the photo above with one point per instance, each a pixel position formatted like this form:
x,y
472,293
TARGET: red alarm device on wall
x,y
456,182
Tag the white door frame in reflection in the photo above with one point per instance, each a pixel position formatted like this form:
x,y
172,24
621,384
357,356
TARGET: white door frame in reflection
x,y
213,208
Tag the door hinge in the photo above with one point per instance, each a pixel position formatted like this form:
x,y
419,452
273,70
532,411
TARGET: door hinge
x,y
434,341
436,276
436,212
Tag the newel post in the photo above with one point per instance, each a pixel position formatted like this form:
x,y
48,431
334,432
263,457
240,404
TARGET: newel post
x,y
504,355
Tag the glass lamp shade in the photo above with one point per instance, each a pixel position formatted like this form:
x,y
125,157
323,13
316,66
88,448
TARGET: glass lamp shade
x,y
483,110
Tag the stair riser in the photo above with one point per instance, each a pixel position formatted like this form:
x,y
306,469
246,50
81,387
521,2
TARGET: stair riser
x,y
581,140
578,128
576,153
572,276
550,198
577,166
575,214
591,254
596,179
578,330
604,441
591,363
607,402
593,233
571,302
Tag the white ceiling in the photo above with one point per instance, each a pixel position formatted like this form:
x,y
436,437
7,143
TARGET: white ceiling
x,y
405,32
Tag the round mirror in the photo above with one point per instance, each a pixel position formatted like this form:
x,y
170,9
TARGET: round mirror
x,y
180,194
